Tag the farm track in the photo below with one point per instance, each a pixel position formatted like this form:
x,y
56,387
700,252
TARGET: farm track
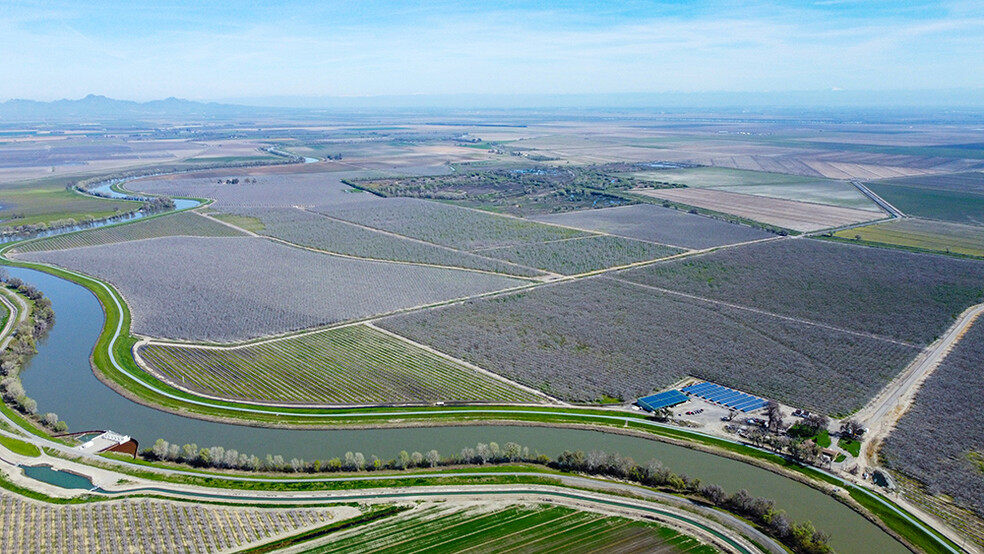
x,y
882,203
16,314
351,366
605,496
547,274
885,410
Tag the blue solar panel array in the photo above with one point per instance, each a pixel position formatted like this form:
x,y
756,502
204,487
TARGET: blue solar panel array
x,y
724,396
662,400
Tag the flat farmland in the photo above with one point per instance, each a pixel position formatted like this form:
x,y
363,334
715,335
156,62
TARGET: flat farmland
x,y
938,441
658,224
516,529
27,205
333,235
67,156
601,336
150,525
788,214
581,255
924,234
944,205
452,226
275,187
180,224
230,289
904,296
347,365
771,185
969,182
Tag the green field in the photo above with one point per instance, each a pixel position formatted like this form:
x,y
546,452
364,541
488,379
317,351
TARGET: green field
x,y
538,529
347,365
179,224
19,447
759,183
43,203
922,234
252,224
944,205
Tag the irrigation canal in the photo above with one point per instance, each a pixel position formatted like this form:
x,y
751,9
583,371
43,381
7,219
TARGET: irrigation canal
x,y
60,378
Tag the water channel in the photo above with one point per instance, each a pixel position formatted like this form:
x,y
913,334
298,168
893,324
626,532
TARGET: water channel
x,y
60,378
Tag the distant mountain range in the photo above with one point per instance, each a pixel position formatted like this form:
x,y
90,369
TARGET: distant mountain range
x,y
94,107
850,104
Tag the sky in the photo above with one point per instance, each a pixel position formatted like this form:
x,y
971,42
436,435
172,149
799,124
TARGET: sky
x,y
222,49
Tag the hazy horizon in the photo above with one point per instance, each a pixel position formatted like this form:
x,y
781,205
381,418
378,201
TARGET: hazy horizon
x,y
246,53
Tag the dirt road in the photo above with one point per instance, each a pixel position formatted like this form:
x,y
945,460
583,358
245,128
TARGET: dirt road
x,y
884,411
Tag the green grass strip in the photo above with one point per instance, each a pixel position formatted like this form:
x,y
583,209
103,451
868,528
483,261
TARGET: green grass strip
x,y
930,542
20,447
375,515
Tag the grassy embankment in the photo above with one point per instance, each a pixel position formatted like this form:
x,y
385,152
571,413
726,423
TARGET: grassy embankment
x,y
118,320
20,447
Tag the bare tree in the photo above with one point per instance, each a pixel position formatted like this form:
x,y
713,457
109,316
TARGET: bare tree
x,y
852,428
774,413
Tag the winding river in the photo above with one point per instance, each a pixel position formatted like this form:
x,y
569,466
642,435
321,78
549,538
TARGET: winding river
x,y
60,378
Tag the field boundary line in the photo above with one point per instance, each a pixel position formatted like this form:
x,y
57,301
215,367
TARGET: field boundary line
x,y
468,365
901,391
182,386
568,239
546,274
686,253
383,260
227,224
765,312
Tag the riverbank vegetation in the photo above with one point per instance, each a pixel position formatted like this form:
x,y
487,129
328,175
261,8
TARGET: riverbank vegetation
x,y
22,345
257,287
178,224
802,537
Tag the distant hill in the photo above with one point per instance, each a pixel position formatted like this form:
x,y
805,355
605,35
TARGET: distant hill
x,y
101,108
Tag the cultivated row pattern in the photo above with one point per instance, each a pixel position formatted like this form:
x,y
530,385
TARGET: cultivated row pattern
x,y
143,526
512,529
560,338
581,255
179,224
447,225
229,289
901,295
323,233
658,224
263,190
347,365
939,440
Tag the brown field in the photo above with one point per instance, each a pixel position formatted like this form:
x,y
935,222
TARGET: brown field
x,y
26,160
788,214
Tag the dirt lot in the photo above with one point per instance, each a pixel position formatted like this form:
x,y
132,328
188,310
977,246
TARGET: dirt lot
x,y
798,216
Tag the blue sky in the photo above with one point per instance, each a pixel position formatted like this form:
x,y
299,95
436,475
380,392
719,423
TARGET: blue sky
x,y
242,49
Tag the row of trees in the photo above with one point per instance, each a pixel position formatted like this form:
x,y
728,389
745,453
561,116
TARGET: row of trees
x,y
150,206
220,457
23,343
800,537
